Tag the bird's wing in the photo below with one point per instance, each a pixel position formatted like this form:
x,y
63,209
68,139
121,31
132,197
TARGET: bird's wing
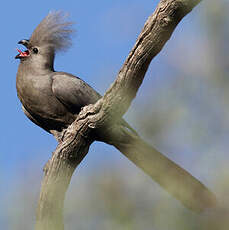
x,y
73,92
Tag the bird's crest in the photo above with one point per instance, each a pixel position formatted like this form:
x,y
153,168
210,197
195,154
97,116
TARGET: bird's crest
x,y
53,31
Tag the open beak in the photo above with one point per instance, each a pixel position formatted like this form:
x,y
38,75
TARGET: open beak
x,y
23,54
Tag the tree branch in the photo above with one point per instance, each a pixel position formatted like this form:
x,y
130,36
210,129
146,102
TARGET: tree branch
x,y
93,120
157,30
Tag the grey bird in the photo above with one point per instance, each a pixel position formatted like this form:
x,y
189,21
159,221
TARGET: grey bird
x,y
53,99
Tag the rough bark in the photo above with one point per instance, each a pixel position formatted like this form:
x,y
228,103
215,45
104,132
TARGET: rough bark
x,y
92,121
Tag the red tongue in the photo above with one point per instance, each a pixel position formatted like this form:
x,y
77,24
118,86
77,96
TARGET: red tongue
x,y
19,51
22,54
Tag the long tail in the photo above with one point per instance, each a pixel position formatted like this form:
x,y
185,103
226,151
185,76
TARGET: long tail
x,y
177,181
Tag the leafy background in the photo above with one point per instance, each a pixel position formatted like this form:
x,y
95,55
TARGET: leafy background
x,y
181,109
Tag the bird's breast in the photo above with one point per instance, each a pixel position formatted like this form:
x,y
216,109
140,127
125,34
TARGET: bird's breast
x,y
36,95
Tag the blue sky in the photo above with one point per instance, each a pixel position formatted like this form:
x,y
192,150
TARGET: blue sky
x,y
106,31
101,43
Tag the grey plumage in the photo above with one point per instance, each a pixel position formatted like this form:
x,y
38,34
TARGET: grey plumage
x,y
53,31
50,99
53,99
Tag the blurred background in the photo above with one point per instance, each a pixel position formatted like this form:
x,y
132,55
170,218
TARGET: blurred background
x,y
182,109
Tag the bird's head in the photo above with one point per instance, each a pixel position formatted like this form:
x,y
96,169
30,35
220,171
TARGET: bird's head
x,y
52,35
27,53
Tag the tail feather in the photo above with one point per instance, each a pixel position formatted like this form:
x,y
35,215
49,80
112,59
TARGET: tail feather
x,y
126,125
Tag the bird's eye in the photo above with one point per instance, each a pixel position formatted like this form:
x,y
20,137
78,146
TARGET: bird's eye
x,y
35,50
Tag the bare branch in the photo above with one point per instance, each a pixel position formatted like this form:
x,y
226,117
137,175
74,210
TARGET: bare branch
x,y
156,32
